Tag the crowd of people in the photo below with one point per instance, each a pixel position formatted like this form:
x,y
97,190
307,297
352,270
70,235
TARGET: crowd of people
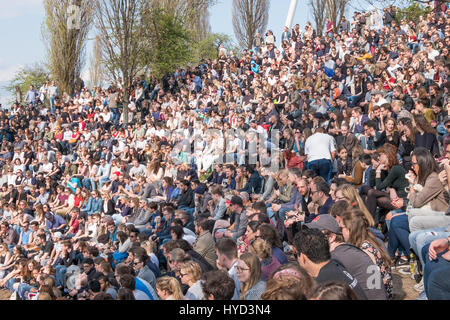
x,y
311,170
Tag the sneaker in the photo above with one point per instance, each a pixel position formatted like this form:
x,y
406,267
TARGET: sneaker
x,y
419,287
404,271
422,296
400,263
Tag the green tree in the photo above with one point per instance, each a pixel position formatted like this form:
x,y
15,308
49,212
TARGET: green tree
x,y
208,48
194,12
412,12
170,42
36,75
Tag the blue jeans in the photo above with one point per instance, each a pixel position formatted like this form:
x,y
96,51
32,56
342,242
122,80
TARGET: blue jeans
x,y
401,252
102,180
89,184
23,289
398,235
436,276
16,228
419,239
60,273
116,115
270,213
322,167
281,214
413,46
52,104
10,284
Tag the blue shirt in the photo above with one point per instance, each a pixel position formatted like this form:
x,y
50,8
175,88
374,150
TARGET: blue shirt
x,y
146,288
31,96
76,181
56,223
233,275
113,236
26,236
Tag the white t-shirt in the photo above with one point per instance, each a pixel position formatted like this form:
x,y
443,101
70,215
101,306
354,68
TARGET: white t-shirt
x,y
433,54
71,200
319,146
141,144
67,135
46,167
119,147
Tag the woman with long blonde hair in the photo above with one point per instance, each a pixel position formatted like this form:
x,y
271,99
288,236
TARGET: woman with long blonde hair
x,y
350,194
249,275
265,254
168,288
355,229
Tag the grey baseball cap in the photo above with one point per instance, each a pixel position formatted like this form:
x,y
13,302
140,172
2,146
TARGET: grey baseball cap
x,y
325,222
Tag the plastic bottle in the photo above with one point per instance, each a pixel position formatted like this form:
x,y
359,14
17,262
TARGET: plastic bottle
x,y
412,263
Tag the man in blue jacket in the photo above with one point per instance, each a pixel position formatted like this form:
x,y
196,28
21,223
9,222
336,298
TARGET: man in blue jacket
x,y
253,184
93,205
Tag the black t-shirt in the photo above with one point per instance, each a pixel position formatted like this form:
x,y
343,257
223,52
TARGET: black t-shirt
x,y
47,247
335,271
65,117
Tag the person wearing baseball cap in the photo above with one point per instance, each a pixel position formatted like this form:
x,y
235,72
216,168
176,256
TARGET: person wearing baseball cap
x,y
355,260
238,228
325,222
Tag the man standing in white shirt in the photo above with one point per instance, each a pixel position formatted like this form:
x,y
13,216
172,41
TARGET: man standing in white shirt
x,y
52,94
321,149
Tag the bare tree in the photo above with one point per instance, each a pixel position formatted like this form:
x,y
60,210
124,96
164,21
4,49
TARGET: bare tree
x,y
336,10
65,30
96,69
118,24
319,11
249,18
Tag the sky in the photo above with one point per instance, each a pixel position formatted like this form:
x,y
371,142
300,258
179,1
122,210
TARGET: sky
x,y
22,43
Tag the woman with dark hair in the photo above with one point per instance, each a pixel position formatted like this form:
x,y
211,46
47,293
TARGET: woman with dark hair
x,y
389,192
270,234
168,188
426,135
344,163
125,294
249,236
389,135
426,197
407,142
